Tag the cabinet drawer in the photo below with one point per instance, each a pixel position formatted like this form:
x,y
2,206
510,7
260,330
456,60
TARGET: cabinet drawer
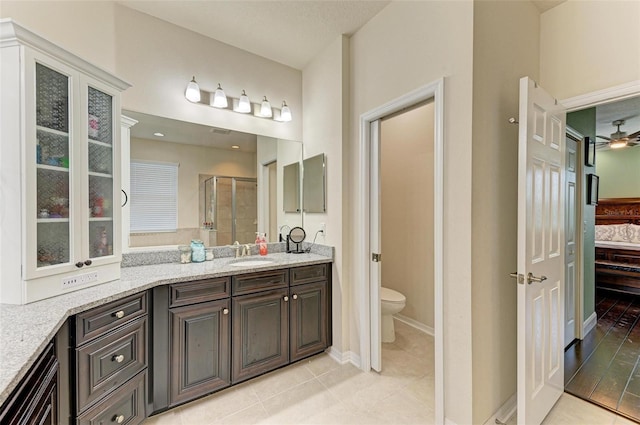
x,y
307,274
198,291
124,406
106,362
99,320
244,284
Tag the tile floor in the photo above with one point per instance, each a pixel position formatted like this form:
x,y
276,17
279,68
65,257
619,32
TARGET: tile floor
x,y
320,391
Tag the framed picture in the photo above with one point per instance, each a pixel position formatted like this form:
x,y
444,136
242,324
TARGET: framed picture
x,y
592,189
589,151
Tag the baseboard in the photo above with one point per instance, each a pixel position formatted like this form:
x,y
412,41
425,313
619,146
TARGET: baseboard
x,y
505,412
344,358
589,324
415,324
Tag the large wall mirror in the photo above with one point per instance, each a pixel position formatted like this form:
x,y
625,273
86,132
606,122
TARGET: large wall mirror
x,y
229,184
314,198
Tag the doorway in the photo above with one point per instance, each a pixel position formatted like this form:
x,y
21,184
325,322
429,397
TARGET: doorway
x,y
369,242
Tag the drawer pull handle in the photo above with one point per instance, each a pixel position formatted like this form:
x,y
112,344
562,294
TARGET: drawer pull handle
x,y
286,298
118,419
295,296
225,311
87,262
119,358
119,314
79,264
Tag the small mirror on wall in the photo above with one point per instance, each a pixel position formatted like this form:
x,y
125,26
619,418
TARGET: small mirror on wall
x,y
592,189
313,183
291,187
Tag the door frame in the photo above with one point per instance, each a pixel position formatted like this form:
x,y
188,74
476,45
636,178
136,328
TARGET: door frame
x,y
435,91
577,103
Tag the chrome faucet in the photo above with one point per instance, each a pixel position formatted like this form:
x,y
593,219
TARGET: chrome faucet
x,y
246,250
236,246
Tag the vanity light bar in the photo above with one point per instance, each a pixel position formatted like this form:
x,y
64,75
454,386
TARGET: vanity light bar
x,y
238,105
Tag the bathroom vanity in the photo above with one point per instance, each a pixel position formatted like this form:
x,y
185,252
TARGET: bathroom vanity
x,y
161,336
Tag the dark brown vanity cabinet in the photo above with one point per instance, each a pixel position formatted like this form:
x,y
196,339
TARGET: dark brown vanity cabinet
x,y
192,340
309,319
35,400
109,345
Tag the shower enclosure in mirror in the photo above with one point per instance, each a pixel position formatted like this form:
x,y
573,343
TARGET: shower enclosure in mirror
x,y
231,211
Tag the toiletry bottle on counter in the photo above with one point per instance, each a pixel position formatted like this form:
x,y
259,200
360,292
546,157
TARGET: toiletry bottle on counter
x,y
197,251
263,244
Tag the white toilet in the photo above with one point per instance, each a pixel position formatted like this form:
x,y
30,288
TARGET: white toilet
x,y
392,302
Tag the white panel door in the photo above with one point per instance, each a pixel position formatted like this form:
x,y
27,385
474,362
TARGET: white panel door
x,y
570,275
541,196
375,231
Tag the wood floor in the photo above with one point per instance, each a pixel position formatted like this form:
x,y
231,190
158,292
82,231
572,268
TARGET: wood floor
x,y
604,368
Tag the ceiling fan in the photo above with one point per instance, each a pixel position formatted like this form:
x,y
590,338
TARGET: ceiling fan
x,y
620,139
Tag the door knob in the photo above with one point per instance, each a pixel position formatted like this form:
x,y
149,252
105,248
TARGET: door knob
x,y
118,419
119,314
532,278
286,298
225,311
518,276
295,297
118,358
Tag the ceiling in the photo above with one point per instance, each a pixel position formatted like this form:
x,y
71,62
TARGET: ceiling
x,y
290,32
627,109
189,133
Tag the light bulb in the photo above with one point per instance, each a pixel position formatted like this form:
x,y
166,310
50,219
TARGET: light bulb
x,y
285,113
244,105
219,98
617,144
192,93
265,108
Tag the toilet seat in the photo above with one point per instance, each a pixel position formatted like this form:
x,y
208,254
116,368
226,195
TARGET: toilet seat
x,y
391,296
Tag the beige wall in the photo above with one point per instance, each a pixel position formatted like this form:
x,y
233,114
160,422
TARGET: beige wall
x,y
326,122
589,45
406,175
406,46
498,62
159,59
194,160
619,172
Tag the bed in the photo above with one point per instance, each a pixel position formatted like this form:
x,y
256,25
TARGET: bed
x,y
618,244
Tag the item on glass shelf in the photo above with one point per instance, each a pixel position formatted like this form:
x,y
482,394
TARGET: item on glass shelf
x,y
44,213
98,206
185,254
38,153
94,126
64,162
197,251
101,245
208,254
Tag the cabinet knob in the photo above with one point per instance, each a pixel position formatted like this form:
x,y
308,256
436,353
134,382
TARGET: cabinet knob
x,y
79,264
225,311
118,419
87,262
119,314
286,298
295,297
119,358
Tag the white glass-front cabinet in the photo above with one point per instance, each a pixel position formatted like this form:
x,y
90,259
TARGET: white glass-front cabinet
x,y
60,170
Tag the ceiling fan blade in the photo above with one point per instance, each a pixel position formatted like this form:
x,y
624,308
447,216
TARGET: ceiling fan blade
x,y
604,137
635,135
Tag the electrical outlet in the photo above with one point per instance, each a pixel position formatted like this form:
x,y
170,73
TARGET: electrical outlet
x,y
80,279
323,229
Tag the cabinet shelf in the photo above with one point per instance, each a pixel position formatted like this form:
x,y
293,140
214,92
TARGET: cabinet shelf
x,y
98,143
52,131
103,175
100,218
52,168
53,220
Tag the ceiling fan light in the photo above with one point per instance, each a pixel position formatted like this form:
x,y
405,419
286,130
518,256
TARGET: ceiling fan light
x,y
617,144
192,93
285,113
219,98
244,104
265,108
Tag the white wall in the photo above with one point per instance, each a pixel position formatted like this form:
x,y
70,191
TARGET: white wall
x,y
194,160
325,87
406,176
499,61
619,172
406,46
589,45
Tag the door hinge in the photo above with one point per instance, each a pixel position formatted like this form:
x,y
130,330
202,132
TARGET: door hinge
x,y
376,257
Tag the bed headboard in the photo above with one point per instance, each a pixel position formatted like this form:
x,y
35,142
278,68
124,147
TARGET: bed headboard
x,y
618,211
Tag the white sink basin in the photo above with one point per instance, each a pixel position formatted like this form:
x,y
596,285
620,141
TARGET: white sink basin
x,y
251,263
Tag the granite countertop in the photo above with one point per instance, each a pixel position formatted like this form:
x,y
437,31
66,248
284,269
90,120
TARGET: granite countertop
x,y
25,330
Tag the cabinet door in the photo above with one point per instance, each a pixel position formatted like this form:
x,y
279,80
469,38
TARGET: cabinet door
x,y
309,319
103,171
200,345
49,190
260,333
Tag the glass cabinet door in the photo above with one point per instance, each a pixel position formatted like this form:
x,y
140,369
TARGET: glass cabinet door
x,y
52,167
101,166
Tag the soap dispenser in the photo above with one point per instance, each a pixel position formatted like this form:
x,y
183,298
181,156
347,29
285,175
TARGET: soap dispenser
x,y
263,244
